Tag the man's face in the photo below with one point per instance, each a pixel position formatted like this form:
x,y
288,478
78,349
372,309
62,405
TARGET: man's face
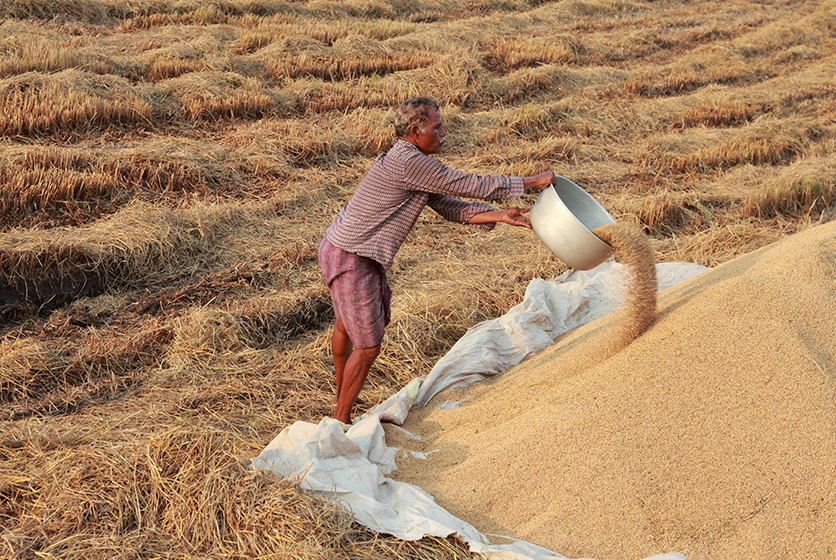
x,y
430,140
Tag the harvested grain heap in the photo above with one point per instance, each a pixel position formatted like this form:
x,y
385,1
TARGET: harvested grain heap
x,y
713,434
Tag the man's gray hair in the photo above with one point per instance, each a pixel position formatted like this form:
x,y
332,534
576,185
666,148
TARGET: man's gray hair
x,y
415,111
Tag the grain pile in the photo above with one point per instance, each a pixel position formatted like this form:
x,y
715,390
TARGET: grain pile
x,y
713,434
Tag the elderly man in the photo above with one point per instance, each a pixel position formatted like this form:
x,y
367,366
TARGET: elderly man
x,y
360,245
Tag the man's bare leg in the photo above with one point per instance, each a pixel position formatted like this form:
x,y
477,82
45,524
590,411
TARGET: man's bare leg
x,y
341,348
354,376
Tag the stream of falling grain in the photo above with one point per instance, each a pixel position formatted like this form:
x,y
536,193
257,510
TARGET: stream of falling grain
x,y
632,248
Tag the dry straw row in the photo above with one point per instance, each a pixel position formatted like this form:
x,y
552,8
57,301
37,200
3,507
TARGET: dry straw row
x,y
459,70
33,104
62,185
139,243
180,487
72,185
149,13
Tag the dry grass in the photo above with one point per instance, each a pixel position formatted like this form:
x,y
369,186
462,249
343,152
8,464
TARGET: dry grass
x,y
168,169
345,59
70,101
797,194
82,10
47,186
178,491
505,54
31,48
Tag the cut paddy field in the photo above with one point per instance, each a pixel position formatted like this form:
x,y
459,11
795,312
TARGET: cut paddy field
x,y
167,170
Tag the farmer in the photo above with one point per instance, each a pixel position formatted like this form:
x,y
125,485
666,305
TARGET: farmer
x,y
360,245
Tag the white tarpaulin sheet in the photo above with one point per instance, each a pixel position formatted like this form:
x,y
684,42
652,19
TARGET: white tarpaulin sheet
x,y
350,466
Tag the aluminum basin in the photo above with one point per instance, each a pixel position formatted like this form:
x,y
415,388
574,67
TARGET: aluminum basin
x,y
564,217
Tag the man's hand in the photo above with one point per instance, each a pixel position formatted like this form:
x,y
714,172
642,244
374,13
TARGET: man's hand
x,y
540,181
511,216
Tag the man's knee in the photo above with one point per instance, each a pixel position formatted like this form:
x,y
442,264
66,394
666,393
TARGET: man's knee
x,y
368,355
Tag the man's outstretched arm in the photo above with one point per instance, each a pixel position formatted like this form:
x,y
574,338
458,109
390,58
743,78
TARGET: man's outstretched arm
x,y
514,216
511,216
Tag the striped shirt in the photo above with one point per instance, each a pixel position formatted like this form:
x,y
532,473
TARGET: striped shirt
x,y
380,214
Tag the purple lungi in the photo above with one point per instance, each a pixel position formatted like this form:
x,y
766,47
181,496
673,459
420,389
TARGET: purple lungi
x,y
360,293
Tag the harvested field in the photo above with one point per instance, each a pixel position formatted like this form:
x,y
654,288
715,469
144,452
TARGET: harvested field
x,y
167,170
